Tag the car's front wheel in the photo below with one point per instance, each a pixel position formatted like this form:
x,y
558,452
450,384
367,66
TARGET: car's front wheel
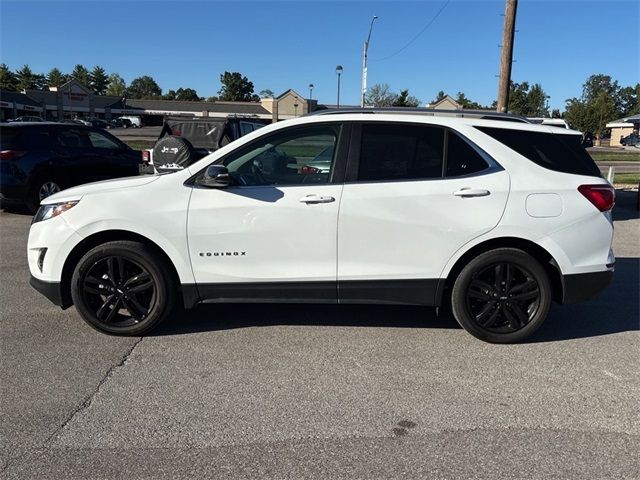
x,y
123,288
501,296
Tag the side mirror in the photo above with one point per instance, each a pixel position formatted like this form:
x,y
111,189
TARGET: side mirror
x,y
216,176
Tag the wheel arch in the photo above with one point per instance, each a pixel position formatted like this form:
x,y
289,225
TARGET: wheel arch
x,y
545,258
103,237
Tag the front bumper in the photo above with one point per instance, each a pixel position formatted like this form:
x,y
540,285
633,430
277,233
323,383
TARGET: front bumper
x,y
584,286
51,290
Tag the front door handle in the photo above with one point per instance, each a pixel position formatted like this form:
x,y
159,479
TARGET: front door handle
x,y
311,199
472,192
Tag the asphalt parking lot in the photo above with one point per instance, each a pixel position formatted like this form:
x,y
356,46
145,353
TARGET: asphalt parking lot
x,y
285,391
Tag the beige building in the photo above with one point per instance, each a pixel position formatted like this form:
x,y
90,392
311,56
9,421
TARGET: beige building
x,y
445,103
623,127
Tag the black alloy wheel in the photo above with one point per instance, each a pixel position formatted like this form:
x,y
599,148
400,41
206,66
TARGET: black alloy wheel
x,y
120,291
123,288
501,296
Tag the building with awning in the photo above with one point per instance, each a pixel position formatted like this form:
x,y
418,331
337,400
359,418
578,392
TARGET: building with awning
x,y
73,100
16,104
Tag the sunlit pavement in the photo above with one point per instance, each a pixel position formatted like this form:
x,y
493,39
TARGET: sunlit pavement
x,y
277,391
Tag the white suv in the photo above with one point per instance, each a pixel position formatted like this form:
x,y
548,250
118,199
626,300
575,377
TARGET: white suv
x,y
498,217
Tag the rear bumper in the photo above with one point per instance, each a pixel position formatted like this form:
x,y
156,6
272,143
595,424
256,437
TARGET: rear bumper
x,y
51,290
11,189
584,286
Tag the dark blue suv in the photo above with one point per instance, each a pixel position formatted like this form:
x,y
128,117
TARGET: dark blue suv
x,y
39,159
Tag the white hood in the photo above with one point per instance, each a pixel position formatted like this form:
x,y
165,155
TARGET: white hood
x,y
75,193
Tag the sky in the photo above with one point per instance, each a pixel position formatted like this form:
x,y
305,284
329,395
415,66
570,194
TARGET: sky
x,y
290,44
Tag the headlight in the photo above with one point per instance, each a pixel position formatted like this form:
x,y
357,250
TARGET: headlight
x,y
45,212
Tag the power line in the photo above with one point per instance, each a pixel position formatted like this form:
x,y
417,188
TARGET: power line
x,y
416,37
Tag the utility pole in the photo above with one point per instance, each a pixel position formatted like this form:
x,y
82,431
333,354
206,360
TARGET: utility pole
x,y
507,53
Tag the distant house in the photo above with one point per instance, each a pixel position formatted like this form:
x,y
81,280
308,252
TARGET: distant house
x,y
445,103
623,127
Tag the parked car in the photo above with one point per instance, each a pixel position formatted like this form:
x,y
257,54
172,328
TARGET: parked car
x,y
27,119
184,140
631,140
121,123
497,217
98,122
135,121
587,140
39,159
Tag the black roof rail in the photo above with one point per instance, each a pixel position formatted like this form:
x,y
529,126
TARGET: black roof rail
x,y
482,114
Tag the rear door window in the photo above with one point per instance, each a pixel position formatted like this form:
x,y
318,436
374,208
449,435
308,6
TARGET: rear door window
x,y
558,152
73,138
400,152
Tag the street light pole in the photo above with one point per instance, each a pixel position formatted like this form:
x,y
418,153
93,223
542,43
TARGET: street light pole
x,y
364,63
339,72
310,91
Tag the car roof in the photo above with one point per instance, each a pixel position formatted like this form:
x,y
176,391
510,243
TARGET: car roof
x,y
451,118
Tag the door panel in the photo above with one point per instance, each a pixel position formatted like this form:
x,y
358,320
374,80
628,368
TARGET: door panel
x,y
263,234
404,230
276,224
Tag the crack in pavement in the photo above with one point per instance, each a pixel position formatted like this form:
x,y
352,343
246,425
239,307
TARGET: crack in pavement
x,y
86,403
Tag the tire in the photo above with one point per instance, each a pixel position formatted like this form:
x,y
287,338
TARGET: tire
x,y
501,296
40,189
125,275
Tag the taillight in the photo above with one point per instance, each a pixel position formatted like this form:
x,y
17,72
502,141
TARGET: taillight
x,y
307,170
603,197
146,156
11,154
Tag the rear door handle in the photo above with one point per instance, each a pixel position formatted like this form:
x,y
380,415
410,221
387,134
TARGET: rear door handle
x,y
472,192
317,199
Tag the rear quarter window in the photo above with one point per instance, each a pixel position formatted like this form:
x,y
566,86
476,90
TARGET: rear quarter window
x,y
557,152
25,138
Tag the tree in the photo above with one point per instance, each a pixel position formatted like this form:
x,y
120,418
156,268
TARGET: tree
x,y
629,100
599,104
555,113
8,80
99,81
537,102
55,78
528,101
235,88
40,81
405,100
25,79
266,93
144,87
440,96
170,95
462,99
81,74
117,86
380,95
212,99
187,94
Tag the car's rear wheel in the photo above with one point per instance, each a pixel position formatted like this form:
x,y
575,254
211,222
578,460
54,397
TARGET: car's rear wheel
x,y
123,288
501,296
